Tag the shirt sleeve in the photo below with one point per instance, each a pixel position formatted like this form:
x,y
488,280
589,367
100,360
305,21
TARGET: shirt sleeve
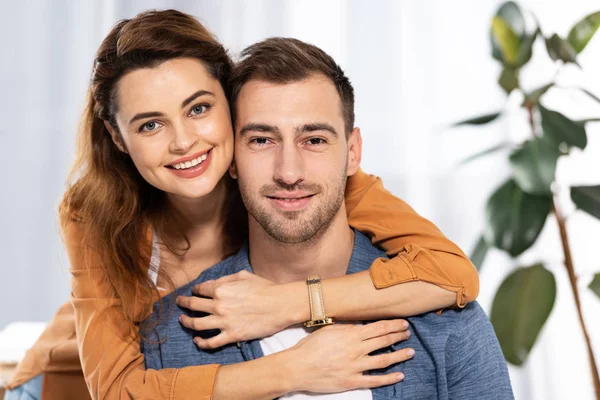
x,y
109,347
419,249
475,365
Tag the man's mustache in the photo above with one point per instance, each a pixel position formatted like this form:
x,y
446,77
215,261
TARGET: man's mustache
x,y
269,190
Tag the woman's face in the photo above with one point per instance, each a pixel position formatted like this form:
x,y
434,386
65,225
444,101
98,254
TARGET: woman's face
x,y
175,125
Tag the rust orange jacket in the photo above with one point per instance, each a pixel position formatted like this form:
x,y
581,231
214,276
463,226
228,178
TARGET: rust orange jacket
x,y
89,333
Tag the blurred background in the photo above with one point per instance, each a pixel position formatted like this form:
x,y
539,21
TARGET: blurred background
x,y
416,66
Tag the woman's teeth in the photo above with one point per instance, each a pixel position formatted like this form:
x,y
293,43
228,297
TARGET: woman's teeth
x,y
190,164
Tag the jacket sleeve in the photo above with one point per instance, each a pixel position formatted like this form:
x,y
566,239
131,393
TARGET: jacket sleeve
x,y
109,348
419,249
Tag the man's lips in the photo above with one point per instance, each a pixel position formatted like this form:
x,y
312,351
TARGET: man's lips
x,y
290,196
291,202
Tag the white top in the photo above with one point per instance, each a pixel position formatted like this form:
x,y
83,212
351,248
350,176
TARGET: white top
x,y
154,259
288,338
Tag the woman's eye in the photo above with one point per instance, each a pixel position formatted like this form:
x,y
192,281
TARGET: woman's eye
x,y
199,109
149,126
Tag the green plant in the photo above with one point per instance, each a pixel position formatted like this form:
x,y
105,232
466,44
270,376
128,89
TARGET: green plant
x,y
517,211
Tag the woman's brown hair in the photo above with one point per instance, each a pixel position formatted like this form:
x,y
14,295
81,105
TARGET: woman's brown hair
x,y
113,206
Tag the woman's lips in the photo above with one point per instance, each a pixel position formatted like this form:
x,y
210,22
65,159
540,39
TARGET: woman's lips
x,y
195,171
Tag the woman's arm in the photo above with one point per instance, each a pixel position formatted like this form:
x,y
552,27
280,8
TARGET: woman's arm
x,y
109,347
428,273
329,360
113,365
420,251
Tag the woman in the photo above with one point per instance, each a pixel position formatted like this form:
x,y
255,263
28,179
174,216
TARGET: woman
x,y
135,207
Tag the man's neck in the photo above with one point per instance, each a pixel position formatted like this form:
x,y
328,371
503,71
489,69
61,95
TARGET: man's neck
x,y
327,254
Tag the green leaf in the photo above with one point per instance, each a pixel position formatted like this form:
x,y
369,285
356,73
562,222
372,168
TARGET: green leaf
x,y
505,38
587,198
595,284
582,32
482,119
561,129
534,166
526,49
520,309
560,49
509,79
514,219
479,252
485,152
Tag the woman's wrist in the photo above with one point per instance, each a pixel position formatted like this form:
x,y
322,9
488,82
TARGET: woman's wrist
x,y
294,305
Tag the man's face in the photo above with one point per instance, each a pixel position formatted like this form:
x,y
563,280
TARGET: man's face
x,y
292,156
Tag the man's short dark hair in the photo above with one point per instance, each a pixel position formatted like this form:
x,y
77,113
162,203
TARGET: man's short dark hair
x,y
286,60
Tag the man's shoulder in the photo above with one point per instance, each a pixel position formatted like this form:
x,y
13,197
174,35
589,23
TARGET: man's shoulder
x,y
470,314
363,253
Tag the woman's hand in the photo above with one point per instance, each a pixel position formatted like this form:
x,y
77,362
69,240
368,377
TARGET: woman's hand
x,y
243,306
334,358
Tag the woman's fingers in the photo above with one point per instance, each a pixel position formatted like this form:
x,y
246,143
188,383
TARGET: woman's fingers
x,y
196,304
212,343
373,381
382,342
382,328
385,360
200,324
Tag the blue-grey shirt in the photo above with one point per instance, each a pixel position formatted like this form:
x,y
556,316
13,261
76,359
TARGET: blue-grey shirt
x,y
457,355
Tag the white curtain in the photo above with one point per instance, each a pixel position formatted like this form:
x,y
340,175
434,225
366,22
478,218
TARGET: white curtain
x,y
416,67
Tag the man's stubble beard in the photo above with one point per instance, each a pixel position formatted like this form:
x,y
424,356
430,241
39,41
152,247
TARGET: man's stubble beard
x,y
292,227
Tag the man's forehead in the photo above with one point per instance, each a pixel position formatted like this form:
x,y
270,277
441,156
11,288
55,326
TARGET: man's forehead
x,y
314,95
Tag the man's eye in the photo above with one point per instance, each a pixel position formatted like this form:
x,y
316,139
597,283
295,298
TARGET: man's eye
x,y
259,141
199,109
316,141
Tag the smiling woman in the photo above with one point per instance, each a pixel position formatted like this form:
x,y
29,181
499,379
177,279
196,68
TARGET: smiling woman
x,y
153,200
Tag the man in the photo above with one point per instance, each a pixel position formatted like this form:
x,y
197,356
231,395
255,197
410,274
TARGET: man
x,y
295,146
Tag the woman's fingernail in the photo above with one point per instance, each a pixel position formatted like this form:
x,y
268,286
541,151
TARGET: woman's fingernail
x,y
400,376
410,352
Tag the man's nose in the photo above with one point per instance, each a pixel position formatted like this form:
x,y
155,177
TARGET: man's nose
x,y
289,168
184,138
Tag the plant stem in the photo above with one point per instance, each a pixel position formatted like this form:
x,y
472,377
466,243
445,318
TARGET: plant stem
x,y
562,226
564,238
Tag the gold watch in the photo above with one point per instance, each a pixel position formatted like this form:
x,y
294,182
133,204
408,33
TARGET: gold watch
x,y
317,308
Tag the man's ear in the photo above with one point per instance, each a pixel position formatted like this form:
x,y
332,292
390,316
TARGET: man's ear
x,y
354,151
233,170
116,138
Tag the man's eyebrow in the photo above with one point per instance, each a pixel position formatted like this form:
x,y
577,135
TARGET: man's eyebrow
x,y
316,127
187,101
252,127
197,94
144,115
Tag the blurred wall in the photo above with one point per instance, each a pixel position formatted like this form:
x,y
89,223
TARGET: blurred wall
x,y
416,67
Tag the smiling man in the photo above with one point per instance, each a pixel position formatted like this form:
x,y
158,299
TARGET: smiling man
x,y
296,144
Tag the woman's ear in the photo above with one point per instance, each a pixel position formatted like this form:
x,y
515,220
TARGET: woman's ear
x,y
116,138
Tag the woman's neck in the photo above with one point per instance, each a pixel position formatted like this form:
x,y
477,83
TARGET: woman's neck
x,y
202,221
